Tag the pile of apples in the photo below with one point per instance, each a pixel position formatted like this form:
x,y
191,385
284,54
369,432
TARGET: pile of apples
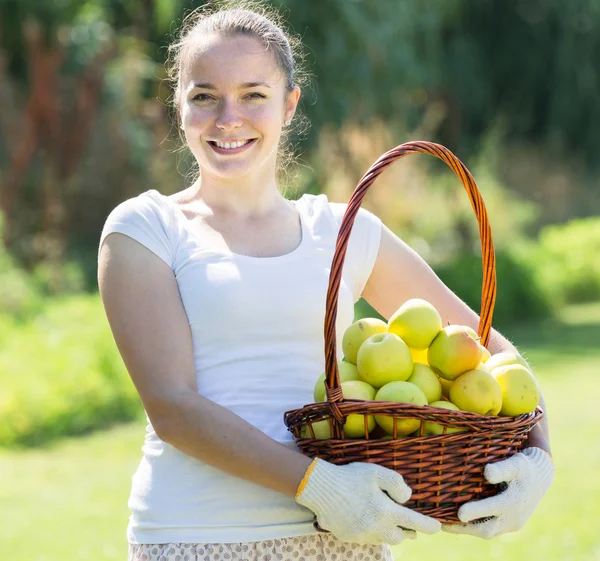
x,y
414,359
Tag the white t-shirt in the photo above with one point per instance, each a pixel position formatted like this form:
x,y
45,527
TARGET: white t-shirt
x,y
257,329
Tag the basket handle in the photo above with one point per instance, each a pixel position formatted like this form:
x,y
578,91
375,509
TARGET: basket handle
x,y
488,293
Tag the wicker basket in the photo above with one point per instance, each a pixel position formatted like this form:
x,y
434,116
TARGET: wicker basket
x,y
443,471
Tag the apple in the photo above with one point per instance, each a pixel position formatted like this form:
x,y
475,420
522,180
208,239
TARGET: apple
x,y
431,428
423,377
419,355
453,352
472,333
398,437
400,392
354,427
446,385
520,391
358,333
504,359
347,372
416,322
477,391
322,430
485,354
384,358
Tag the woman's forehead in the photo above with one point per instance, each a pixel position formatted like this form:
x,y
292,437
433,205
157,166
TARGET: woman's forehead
x,y
229,61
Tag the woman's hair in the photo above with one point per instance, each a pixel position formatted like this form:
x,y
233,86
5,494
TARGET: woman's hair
x,y
251,18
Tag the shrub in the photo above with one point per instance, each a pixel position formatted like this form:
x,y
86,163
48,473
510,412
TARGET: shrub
x,y
567,260
520,295
61,374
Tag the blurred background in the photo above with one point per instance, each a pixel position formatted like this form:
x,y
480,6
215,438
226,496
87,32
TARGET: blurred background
x,y
509,86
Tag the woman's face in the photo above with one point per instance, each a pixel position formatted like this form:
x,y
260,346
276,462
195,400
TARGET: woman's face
x,y
233,106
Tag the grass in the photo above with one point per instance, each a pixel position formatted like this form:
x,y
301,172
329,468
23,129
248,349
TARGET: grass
x,y
68,501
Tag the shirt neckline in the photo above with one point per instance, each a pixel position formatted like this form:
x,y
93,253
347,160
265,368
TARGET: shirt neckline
x,y
300,248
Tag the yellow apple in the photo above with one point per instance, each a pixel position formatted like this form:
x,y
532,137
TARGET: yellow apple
x,y
485,354
453,352
477,391
400,392
358,333
520,391
384,358
322,430
423,377
431,428
446,385
354,427
419,355
347,372
416,322
504,359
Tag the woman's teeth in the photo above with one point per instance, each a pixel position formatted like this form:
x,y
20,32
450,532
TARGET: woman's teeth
x,y
229,145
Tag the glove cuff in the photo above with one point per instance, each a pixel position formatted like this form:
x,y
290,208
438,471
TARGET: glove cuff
x,y
321,476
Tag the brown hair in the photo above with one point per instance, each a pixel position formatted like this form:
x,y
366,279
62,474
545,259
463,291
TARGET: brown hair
x,y
251,18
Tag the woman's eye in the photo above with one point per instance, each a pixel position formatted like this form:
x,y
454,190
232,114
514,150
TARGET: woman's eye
x,y
201,97
256,95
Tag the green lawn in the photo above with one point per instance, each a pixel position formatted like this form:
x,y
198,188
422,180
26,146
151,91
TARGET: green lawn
x,y
69,501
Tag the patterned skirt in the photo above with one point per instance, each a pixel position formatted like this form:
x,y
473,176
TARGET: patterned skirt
x,y
314,547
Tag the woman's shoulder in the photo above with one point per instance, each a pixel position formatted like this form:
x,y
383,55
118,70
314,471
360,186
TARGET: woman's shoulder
x,y
145,218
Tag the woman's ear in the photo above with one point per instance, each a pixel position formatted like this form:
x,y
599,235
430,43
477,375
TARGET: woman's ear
x,y
291,103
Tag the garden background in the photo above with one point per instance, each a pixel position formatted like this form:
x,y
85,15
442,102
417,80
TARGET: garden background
x,y
509,86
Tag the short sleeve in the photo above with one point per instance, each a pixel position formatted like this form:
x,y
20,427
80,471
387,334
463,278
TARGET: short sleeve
x,y
363,246
144,219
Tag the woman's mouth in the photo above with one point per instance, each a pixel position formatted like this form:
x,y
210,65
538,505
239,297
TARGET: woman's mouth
x,y
231,147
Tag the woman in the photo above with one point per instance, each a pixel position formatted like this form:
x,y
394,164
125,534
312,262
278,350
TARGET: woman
x,y
216,297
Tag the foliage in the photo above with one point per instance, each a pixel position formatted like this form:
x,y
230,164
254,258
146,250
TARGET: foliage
x,y
61,374
566,260
520,296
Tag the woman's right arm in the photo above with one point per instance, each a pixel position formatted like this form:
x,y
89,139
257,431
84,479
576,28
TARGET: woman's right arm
x,y
149,324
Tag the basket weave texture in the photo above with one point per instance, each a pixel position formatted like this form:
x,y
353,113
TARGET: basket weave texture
x,y
443,471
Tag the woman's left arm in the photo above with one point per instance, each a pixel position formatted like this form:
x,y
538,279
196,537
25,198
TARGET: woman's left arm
x,y
400,274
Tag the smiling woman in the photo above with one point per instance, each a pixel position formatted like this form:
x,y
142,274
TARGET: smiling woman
x,y
272,65
216,300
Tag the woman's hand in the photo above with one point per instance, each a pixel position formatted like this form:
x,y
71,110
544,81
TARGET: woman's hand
x,y
361,503
526,476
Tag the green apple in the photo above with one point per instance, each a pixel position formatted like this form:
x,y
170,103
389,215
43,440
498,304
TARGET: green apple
x,y
453,352
416,322
347,372
358,333
322,429
431,428
354,427
472,333
504,359
520,391
384,358
446,385
423,377
477,391
400,392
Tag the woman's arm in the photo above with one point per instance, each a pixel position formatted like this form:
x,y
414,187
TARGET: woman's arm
x,y
149,324
400,274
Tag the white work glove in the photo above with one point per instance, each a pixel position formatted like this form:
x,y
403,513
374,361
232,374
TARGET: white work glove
x,y
526,477
350,501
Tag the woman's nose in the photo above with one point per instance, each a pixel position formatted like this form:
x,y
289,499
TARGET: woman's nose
x,y
229,117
